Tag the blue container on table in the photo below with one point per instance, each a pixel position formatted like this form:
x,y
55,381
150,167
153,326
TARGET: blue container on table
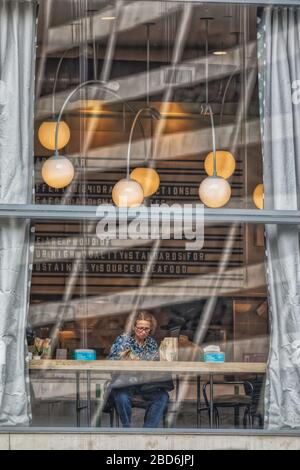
x,y
214,357
84,355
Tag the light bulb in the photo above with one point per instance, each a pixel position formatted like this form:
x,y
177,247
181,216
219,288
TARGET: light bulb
x,y
148,178
58,172
46,134
258,196
225,163
127,193
214,191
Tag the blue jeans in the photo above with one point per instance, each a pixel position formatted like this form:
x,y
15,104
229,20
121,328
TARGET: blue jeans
x,y
158,402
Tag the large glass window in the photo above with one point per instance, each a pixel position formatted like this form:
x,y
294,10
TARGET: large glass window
x,y
196,65
151,298
82,294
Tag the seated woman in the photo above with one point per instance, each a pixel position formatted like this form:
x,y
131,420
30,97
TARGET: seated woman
x,y
138,345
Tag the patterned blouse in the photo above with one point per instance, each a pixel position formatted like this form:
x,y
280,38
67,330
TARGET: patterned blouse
x,y
147,352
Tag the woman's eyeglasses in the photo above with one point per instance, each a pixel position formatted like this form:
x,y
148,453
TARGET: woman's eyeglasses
x,y
143,328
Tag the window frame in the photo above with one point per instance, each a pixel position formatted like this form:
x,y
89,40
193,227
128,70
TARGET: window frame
x,y
72,212
238,2
39,212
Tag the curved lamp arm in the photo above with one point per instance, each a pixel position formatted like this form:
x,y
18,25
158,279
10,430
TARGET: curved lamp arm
x,y
208,106
154,114
225,93
103,86
56,78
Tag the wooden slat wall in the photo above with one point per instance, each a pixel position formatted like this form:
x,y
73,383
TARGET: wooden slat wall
x,y
102,269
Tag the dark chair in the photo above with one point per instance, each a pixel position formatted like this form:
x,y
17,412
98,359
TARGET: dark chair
x,y
254,413
234,401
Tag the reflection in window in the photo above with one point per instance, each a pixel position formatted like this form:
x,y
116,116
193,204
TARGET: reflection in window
x,y
211,301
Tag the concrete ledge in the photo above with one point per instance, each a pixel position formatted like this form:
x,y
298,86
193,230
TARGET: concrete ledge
x,y
4,441
140,440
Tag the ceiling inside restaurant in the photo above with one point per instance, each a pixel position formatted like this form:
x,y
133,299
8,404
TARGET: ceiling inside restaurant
x,y
68,16
77,28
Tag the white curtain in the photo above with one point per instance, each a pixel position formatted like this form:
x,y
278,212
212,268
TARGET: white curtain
x,y
17,55
279,83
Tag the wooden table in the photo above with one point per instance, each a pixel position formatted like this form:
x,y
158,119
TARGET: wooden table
x,y
190,368
179,367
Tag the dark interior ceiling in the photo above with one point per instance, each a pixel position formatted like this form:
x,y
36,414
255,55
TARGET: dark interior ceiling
x,y
67,28
67,15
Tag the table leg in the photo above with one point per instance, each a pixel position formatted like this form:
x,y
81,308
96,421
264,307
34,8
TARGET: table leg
x,y
198,401
236,417
211,401
89,409
78,407
177,388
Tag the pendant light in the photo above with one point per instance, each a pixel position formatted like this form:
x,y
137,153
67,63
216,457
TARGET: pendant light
x,y
214,191
58,171
258,196
225,160
225,163
46,134
47,130
148,178
129,192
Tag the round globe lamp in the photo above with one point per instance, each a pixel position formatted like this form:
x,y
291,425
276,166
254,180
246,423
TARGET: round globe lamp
x,y
58,172
127,193
225,163
46,134
214,191
258,196
148,178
